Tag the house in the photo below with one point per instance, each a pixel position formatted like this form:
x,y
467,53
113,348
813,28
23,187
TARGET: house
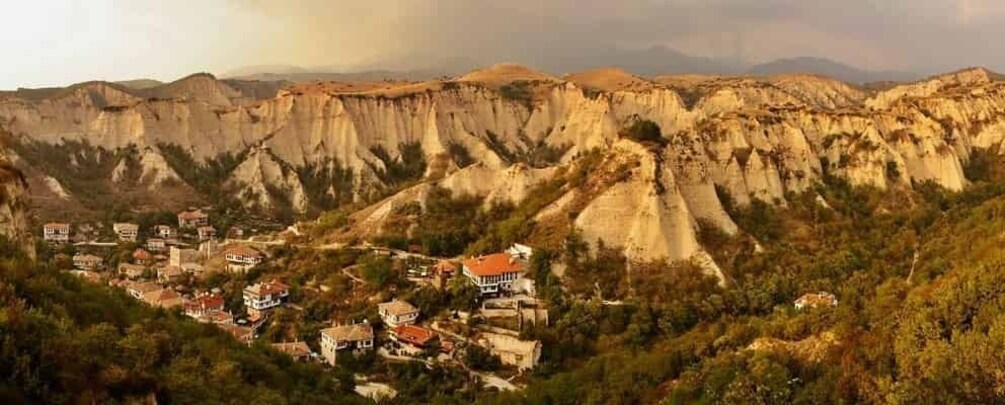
x,y
264,296
56,232
87,275
165,232
156,245
126,231
397,312
524,354
493,273
178,257
202,304
521,252
169,274
206,232
413,335
192,268
241,258
821,299
164,298
216,317
445,268
242,333
354,338
87,261
192,219
296,350
138,289
143,257
132,271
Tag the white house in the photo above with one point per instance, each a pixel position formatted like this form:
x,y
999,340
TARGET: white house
x,y
165,232
521,252
242,258
493,273
396,313
126,231
206,232
355,338
56,232
87,261
192,219
264,296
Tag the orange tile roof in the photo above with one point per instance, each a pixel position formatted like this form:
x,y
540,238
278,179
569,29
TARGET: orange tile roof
x,y
413,334
493,265
56,225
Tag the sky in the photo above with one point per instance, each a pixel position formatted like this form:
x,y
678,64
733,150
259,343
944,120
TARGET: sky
x,y
58,42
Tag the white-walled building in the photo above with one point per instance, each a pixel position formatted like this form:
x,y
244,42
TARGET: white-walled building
x,y
264,296
493,273
56,232
242,258
126,231
396,313
354,338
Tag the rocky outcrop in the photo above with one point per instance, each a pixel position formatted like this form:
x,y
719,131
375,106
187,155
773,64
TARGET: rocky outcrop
x,y
14,218
755,138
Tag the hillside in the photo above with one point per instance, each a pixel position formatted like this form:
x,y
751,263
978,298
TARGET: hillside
x,y
318,146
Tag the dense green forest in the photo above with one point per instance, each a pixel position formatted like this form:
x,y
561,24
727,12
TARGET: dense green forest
x,y
63,340
919,274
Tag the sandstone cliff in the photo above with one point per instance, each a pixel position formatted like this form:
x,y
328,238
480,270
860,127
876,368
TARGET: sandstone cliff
x,y
496,132
14,220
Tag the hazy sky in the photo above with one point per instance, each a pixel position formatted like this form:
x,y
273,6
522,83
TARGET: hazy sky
x,y
57,42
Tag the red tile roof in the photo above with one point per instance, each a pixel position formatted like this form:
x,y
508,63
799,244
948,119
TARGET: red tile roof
x,y
493,265
56,225
415,335
205,303
140,254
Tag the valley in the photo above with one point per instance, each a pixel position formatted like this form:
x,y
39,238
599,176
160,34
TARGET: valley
x,y
508,236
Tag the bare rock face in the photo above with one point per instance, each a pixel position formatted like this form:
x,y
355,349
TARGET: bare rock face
x,y
498,132
14,218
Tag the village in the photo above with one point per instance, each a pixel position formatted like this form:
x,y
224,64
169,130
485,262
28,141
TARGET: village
x,y
166,262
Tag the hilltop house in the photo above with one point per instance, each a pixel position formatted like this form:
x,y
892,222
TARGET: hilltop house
x,y
242,258
355,338
165,232
243,334
56,232
203,304
521,252
524,354
164,298
127,232
396,313
296,350
413,335
131,271
206,232
138,289
493,273
156,245
192,219
264,296
821,299
87,261
142,257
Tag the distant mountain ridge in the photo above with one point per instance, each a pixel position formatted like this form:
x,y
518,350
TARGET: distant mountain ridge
x,y
830,68
649,62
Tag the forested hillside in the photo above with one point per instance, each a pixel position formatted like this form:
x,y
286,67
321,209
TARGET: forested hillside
x,y
920,282
63,340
